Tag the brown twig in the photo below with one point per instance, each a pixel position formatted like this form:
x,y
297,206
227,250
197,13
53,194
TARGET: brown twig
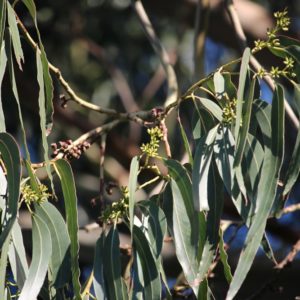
x,y
290,257
253,61
291,208
172,96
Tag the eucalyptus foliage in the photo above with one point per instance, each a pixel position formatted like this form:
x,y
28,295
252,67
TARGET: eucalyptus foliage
x,y
236,150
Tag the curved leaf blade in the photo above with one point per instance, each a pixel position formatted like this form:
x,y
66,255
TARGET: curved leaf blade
x,y
65,175
98,280
134,169
59,262
274,139
41,254
151,274
202,160
112,267
3,61
11,157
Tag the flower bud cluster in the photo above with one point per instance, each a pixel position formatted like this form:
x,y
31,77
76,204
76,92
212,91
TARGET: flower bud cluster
x,y
68,149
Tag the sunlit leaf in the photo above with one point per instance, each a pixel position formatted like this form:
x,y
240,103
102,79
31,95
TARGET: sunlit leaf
x,y
65,174
273,134
3,61
202,160
41,253
60,239
15,36
134,168
151,274
240,92
224,258
11,158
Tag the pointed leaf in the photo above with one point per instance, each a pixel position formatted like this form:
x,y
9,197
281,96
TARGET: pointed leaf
x,y
152,283
59,263
274,139
41,253
65,174
240,92
14,31
112,266
202,160
134,169
17,256
155,226
224,259
211,107
11,158
2,20
98,281
3,61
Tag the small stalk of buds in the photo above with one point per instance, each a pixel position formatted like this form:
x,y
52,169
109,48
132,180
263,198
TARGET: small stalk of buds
x,y
68,150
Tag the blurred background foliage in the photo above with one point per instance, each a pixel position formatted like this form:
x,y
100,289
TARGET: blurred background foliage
x,y
104,54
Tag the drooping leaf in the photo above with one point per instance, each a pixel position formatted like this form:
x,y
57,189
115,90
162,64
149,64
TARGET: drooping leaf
x,y
15,90
154,225
224,259
151,274
98,280
3,265
137,278
65,174
41,253
42,114
185,141
17,256
240,92
244,127
59,262
211,107
2,20
3,61
202,160
48,85
15,36
273,135
11,157
112,267
134,168
215,201
185,222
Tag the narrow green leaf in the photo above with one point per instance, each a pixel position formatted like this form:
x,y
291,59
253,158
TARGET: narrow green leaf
x,y
60,239
65,174
41,253
137,278
11,158
17,256
185,222
15,90
219,85
203,290
112,266
211,107
244,127
3,265
224,147
42,114
134,169
224,258
14,31
203,155
155,225
3,61
151,274
98,280
185,140
240,92
45,69
273,142
215,201
2,20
